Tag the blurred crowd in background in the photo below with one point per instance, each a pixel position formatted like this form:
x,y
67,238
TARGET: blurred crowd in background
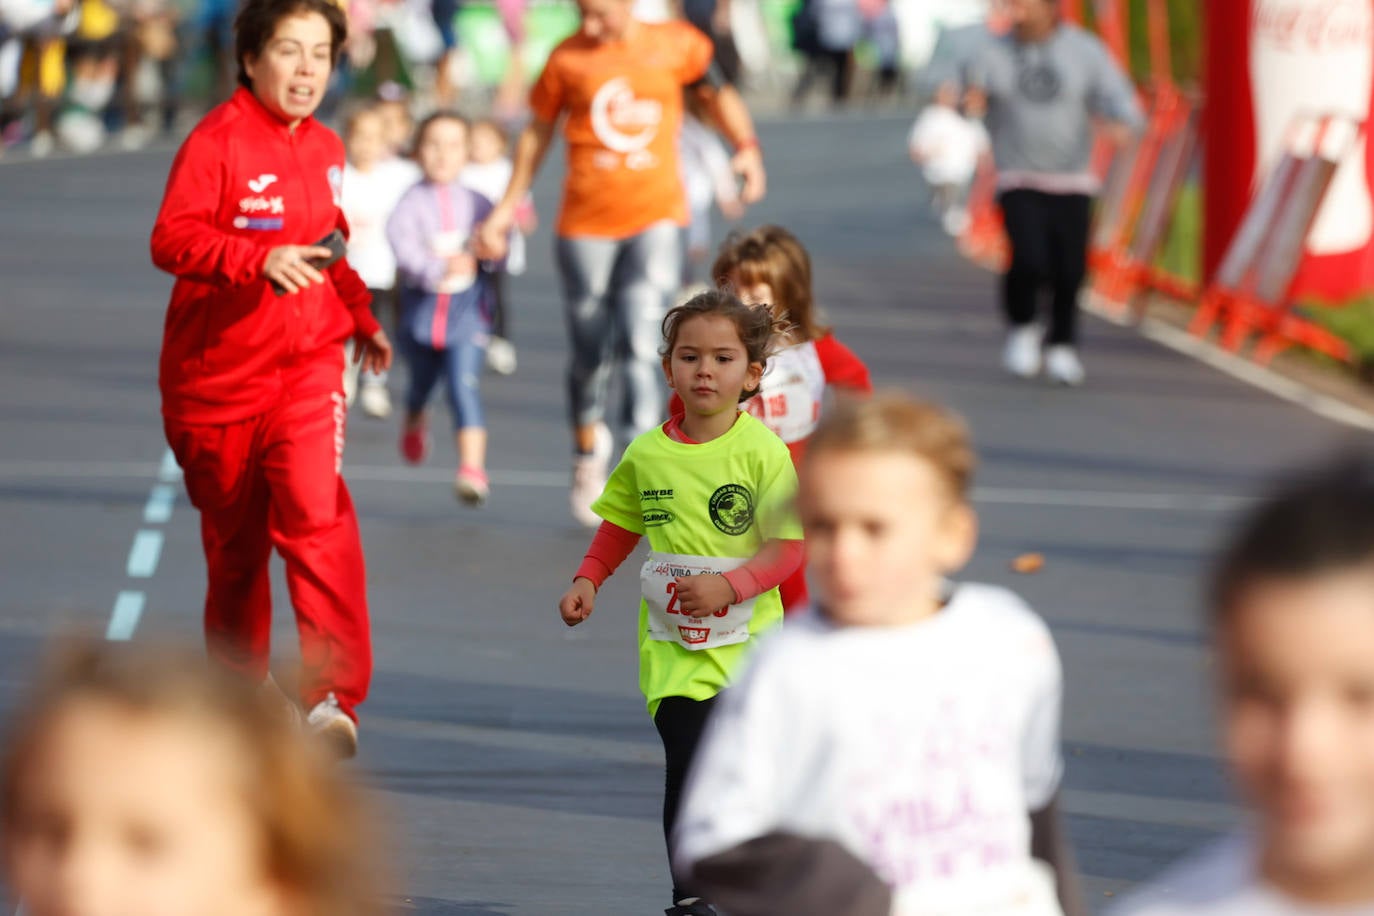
x,y
76,75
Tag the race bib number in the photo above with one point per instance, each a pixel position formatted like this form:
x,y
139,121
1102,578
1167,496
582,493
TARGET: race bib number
x,y
669,623
793,386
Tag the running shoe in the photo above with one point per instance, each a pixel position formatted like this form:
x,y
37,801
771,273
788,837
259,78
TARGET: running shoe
x,y
955,221
1022,354
589,477
692,906
501,356
42,145
334,727
375,400
1063,366
471,486
415,441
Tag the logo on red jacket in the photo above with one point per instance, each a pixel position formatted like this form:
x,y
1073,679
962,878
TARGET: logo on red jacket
x,y
273,205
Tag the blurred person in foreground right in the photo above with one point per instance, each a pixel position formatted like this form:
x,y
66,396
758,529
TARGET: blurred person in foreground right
x,y
928,744
139,782
1293,637
1042,86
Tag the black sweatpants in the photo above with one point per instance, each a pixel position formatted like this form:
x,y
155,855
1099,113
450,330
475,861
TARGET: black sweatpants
x,y
1049,249
499,295
680,723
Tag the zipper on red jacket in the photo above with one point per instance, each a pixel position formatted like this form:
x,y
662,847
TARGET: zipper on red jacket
x,y
297,310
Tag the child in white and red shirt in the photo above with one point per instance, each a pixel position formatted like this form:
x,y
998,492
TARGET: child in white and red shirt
x,y
770,267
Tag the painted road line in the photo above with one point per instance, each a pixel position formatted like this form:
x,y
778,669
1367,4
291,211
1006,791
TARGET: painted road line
x,y
170,470
1096,499
160,503
373,473
145,553
128,608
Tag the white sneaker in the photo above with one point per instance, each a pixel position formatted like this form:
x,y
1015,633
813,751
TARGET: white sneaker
x,y
501,356
589,478
375,400
135,137
42,145
334,727
955,221
1022,354
1063,366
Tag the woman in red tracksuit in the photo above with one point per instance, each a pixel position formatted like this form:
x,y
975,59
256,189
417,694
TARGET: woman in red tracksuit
x,y
252,397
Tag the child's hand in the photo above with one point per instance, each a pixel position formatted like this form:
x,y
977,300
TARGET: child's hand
x,y
732,208
702,596
375,353
462,265
577,602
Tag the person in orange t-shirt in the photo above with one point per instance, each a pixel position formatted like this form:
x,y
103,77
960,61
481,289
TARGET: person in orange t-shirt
x,y
616,85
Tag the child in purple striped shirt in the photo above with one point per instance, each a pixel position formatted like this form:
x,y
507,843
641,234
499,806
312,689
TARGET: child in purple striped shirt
x,y
445,299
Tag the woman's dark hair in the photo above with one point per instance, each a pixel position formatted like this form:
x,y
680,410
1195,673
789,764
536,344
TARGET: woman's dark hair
x,y
258,20
756,327
1315,522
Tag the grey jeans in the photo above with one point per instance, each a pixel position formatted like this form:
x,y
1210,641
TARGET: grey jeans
x,y
615,294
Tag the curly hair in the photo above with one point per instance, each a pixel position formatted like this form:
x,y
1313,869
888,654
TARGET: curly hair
x,y
757,328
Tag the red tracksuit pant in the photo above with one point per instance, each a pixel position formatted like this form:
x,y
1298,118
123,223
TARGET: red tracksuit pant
x,y
273,480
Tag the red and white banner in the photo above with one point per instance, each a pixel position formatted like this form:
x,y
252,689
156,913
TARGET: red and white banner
x,y
1267,61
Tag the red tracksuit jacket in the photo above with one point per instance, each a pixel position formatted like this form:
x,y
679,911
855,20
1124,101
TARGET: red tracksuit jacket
x,y
242,184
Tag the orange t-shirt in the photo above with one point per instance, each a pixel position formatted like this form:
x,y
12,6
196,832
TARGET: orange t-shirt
x,y
624,105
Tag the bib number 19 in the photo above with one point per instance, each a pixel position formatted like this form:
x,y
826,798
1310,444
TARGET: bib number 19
x,y
673,608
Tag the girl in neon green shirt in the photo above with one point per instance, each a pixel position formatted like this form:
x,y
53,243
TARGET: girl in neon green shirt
x,y
712,491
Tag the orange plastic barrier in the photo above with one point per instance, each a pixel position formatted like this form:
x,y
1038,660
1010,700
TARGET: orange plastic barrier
x,y
1250,294
1138,201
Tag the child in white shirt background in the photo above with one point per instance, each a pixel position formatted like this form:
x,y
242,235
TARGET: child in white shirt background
x,y
948,144
488,173
374,180
709,181
913,722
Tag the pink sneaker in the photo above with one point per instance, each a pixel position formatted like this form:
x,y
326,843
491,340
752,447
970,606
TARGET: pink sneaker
x,y
471,486
415,441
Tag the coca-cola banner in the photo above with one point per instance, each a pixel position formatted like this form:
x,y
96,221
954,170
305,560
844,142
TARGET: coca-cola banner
x,y
1266,62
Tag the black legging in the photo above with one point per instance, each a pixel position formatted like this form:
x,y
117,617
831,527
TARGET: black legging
x,y
840,66
1049,248
680,723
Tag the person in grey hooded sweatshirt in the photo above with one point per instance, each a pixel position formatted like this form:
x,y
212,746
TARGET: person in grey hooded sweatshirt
x,y
1045,86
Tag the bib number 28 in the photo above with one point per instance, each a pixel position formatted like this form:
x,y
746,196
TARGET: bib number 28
x,y
673,608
